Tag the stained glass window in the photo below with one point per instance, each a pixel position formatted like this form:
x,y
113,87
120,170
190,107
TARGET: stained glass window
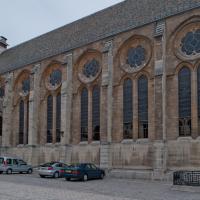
x,y
1,123
27,122
128,109
91,68
184,91
58,117
21,122
55,77
2,91
96,113
84,115
136,56
190,44
143,106
49,118
198,87
26,85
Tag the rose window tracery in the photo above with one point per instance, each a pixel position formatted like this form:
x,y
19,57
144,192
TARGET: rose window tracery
x,y
91,68
136,56
55,77
190,44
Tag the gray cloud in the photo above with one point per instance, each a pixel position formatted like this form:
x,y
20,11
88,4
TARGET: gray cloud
x,y
22,20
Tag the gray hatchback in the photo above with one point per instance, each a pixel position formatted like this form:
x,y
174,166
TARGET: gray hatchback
x,y
11,164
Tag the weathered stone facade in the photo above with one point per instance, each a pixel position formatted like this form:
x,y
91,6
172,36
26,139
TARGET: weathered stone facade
x,y
162,151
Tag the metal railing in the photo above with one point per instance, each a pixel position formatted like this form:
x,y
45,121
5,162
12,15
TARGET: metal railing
x,y
188,178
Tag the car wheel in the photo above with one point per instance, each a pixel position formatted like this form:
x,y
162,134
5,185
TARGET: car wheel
x,y
67,179
56,175
30,171
9,171
102,176
1,172
85,177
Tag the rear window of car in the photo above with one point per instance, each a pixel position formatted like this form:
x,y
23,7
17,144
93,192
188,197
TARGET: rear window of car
x,y
48,164
1,160
76,165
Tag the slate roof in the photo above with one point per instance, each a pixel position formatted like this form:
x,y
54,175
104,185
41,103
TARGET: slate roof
x,y
123,16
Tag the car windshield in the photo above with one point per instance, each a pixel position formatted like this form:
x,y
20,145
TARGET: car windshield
x,y
1,160
48,164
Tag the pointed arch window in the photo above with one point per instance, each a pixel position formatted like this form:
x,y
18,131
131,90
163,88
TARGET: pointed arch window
x,y
128,109
1,125
143,106
96,113
198,92
84,115
58,118
184,93
49,119
21,122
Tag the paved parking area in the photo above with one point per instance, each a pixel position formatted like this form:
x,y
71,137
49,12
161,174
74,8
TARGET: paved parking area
x,y
32,187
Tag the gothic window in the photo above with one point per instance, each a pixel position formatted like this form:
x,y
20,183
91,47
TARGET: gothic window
x,y
21,122
84,115
184,91
2,91
136,56
91,68
128,109
58,117
49,118
190,44
1,123
96,113
143,106
55,77
198,88
26,85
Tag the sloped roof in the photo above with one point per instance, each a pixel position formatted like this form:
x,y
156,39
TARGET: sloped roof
x,y
123,16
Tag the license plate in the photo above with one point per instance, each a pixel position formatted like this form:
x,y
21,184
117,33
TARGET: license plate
x,y
68,171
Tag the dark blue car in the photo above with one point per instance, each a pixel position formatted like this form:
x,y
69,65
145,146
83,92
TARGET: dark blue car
x,y
83,171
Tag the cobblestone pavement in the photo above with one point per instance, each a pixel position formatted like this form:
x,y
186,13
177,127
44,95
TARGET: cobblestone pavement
x,y
32,187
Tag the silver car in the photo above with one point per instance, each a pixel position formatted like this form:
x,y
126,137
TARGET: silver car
x,y
11,164
52,169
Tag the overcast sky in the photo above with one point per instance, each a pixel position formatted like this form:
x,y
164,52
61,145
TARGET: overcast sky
x,y
21,20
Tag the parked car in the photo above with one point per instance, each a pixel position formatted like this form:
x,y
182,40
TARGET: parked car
x,y
11,164
52,169
83,171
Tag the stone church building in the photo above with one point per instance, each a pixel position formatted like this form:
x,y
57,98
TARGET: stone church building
x,y
120,88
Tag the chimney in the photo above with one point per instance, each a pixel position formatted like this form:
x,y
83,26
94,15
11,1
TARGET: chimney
x,y
3,44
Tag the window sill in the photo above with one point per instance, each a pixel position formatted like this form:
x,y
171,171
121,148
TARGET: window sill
x,y
186,138
95,143
127,141
22,145
83,143
142,140
49,144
